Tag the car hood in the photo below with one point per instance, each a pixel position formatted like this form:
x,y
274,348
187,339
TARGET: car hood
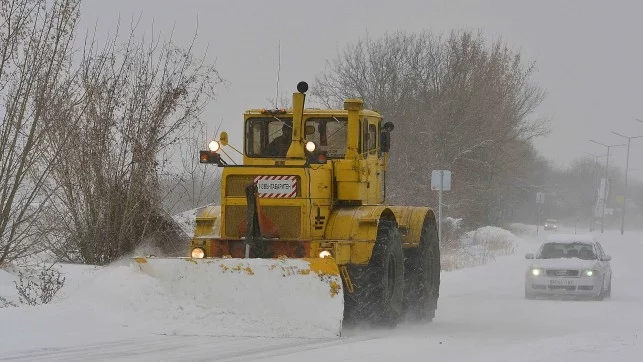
x,y
564,263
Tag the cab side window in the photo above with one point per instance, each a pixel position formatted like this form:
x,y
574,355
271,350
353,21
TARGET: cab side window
x,y
364,139
372,138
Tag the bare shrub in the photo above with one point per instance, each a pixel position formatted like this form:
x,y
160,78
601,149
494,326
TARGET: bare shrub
x,y
39,286
143,97
4,303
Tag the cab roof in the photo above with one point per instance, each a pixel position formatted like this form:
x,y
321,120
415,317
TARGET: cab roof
x,y
310,112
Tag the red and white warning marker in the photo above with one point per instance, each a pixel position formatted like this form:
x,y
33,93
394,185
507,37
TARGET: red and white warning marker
x,y
276,186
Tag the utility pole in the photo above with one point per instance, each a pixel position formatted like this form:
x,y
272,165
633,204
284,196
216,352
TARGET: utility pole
x,y
627,165
607,166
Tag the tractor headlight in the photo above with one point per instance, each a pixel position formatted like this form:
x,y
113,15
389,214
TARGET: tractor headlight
x,y
198,253
536,272
311,146
589,273
325,254
214,146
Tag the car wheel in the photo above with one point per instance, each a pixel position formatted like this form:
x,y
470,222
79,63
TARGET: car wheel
x,y
529,295
601,294
608,292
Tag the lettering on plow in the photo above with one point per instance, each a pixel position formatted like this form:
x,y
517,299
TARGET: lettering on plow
x,y
238,268
287,271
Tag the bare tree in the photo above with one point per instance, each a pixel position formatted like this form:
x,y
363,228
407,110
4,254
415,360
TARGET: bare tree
x,y
37,93
143,95
459,103
187,184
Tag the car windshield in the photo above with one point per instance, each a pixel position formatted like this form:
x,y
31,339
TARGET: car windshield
x,y
579,250
550,221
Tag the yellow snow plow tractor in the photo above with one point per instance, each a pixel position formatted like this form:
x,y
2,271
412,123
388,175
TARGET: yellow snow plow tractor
x,y
303,225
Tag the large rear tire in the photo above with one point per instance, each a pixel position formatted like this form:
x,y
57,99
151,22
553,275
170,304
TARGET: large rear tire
x,y
423,275
377,298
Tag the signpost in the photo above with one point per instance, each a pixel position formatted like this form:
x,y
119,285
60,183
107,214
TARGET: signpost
x,y
440,181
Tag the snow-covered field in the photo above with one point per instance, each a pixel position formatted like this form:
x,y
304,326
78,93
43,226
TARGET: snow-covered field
x,y
119,314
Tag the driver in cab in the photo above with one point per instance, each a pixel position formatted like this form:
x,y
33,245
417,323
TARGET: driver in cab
x,y
279,146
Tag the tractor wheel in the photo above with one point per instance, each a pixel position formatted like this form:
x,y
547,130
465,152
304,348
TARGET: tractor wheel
x,y
377,298
423,275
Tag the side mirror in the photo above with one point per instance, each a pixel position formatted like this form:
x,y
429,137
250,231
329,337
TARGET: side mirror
x,y
310,130
223,139
385,141
529,256
606,258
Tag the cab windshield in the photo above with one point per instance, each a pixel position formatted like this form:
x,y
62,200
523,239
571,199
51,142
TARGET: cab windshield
x,y
271,136
329,134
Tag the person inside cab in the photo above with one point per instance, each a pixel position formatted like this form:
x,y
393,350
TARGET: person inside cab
x,y
279,146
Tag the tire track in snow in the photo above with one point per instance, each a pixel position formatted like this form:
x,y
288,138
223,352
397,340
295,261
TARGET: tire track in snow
x,y
181,348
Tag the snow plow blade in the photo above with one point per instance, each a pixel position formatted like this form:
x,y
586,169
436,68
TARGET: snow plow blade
x,y
307,291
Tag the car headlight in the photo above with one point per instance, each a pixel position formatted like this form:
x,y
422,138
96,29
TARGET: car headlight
x,y
325,254
198,253
537,272
589,273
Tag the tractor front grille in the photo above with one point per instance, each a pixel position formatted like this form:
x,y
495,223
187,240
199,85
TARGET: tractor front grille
x,y
287,219
236,185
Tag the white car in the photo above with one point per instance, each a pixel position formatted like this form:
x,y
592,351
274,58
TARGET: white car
x,y
574,265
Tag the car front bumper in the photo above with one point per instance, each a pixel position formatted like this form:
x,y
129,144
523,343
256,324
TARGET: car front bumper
x,y
577,286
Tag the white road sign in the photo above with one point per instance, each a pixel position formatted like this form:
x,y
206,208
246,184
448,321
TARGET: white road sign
x,y
441,179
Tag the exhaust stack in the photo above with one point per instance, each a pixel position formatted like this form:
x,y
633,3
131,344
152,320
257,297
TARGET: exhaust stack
x,y
296,149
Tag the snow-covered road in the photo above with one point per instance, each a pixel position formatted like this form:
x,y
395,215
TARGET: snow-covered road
x,y
482,316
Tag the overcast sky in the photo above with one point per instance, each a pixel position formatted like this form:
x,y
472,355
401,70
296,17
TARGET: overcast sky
x,y
588,53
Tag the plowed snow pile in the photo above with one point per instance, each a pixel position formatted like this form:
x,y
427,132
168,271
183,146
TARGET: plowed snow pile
x,y
123,298
143,302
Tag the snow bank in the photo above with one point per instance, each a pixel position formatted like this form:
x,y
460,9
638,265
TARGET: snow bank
x,y
8,292
478,247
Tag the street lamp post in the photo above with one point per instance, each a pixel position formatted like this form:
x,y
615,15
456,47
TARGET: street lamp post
x,y
596,157
607,166
627,165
